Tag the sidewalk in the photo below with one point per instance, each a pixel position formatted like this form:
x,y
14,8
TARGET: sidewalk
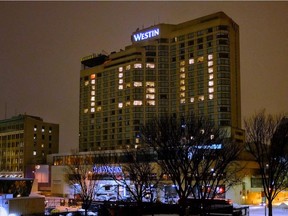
x,y
260,211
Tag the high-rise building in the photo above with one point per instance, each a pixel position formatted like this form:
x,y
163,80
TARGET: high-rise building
x,y
175,69
25,142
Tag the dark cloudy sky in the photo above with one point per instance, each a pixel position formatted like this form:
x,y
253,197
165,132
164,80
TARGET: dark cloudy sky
x,y
41,44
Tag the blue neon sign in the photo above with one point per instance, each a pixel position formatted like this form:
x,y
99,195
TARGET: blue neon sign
x,y
146,35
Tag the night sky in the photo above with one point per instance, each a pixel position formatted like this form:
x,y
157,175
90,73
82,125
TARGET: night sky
x,y
41,45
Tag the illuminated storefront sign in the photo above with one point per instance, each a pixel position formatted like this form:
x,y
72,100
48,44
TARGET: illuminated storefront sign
x,y
210,146
146,35
107,169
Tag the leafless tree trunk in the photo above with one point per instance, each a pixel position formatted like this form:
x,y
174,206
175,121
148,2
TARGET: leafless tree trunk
x,y
267,140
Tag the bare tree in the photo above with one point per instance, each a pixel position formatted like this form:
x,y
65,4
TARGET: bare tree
x,y
139,176
267,140
80,177
199,157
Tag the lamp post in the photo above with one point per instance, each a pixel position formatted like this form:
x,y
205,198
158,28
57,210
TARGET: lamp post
x,y
265,170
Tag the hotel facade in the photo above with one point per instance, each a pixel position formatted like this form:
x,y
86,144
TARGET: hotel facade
x,y
191,67
176,69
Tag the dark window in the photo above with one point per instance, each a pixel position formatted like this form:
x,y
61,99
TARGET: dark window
x,y
191,43
209,37
150,53
223,55
200,40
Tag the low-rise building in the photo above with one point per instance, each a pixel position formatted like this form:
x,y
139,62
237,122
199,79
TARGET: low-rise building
x,y
25,141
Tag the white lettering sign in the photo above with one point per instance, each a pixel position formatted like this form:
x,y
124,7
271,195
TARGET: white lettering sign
x,y
146,35
107,169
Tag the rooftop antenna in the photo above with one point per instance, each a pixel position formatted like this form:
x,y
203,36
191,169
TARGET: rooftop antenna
x,y
5,113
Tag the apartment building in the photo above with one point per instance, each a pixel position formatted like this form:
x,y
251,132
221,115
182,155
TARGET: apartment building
x,y
177,69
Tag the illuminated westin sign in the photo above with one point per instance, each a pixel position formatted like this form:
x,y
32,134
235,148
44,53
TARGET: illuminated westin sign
x,y
146,35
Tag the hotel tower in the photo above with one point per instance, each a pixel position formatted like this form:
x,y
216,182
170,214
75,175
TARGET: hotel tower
x,y
177,69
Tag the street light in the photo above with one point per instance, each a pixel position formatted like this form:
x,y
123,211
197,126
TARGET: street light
x,y
265,169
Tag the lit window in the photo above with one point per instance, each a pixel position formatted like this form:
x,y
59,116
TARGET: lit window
x,y
137,103
120,75
43,130
92,92
137,84
210,63
137,140
92,81
192,99
99,108
120,81
150,96
128,67
150,84
93,87
182,94
191,61
128,85
210,96
128,103
34,153
182,63
201,98
92,76
150,65
210,56
138,65
210,70
182,69
151,103
86,83
211,76
120,69
182,76
150,90
85,110
210,83
120,105
200,59
182,88
120,87
182,82
35,128
42,145
93,98
182,101
92,104
210,90
92,110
